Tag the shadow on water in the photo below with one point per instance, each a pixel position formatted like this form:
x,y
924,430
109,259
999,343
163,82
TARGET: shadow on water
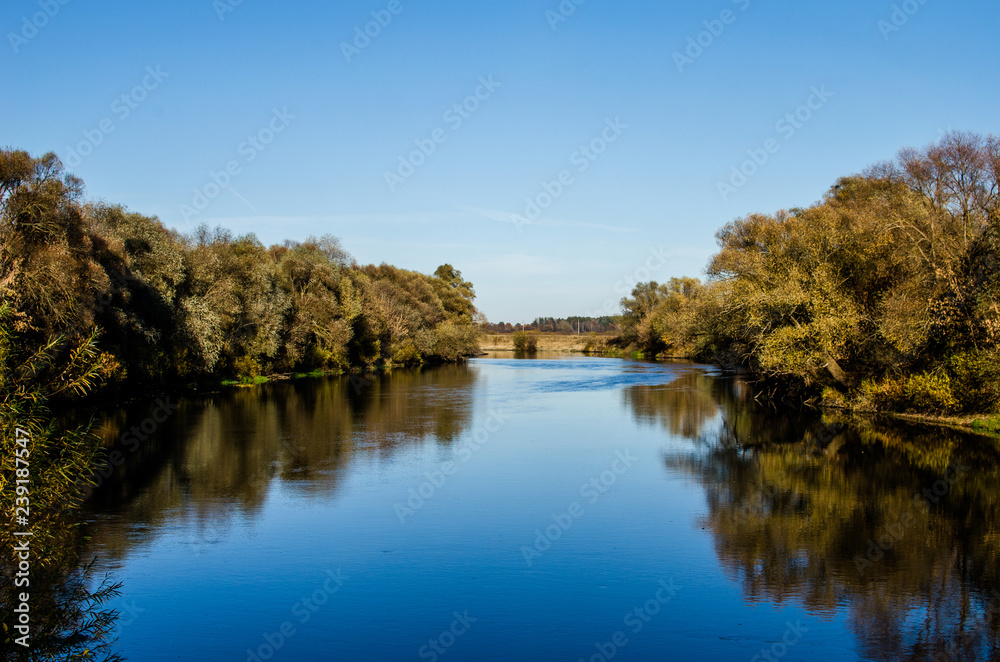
x,y
896,525
216,456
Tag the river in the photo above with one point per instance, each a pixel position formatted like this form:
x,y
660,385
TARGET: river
x,y
549,508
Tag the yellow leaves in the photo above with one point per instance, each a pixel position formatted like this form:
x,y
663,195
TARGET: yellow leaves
x,y
790,350
350,301
840,286
905,321
931,392
925,392
110,369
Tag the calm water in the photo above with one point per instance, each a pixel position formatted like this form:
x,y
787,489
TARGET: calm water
x,y
544,509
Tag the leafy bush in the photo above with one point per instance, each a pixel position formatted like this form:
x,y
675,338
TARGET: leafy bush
x,y
991,424
884,395
525,341
886,291
925,392
70,619
931,392
208,304
406,353
247,368
976,380
455,342
595,345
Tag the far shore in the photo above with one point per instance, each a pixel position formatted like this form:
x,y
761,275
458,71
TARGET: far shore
x,y
573,343
547,342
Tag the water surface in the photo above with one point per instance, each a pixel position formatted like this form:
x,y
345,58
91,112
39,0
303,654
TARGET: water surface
x,y
557,508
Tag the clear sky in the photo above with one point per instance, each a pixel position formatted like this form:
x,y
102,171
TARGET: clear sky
x,y
618,100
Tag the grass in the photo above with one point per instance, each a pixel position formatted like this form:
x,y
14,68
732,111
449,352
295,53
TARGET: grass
x,y
262,379
246,381
988,424
307,375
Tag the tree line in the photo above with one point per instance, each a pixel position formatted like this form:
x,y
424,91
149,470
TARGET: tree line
x,y
162,305
565,325
95,297
882,296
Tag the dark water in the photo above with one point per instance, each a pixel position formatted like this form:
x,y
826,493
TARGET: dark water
x,y
546,509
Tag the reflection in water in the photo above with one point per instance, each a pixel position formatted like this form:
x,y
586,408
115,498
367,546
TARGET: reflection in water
x,y
217,456
683,407
889,529
66,619
896,523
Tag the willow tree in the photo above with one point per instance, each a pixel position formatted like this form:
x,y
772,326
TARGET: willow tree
x,y
884,295
67,618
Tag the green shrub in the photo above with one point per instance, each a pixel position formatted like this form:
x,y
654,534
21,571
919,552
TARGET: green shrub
x,y
931,392
991,424
888,394
454,342
927,392
406,353
247,368
976,381
525,342
831,397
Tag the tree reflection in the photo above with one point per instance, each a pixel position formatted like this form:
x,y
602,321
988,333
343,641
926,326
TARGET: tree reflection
x,y
899,524
69,616
683,407
215,458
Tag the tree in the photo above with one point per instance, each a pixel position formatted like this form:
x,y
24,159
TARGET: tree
x,y
885,294
456,293
67,617
318,324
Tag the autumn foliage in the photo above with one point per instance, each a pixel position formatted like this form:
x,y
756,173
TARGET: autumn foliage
x,y
166,306
882,296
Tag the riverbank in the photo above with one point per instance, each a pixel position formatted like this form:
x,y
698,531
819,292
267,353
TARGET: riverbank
x,y
547,342
981,423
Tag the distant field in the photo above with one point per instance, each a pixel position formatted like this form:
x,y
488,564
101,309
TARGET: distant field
x,y
549,342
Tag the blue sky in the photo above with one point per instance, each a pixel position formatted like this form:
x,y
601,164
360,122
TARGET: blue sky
x,y
201,78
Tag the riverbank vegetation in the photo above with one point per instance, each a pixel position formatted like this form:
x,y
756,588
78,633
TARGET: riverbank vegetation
x,y
95,298
881,297
44,473
165,307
